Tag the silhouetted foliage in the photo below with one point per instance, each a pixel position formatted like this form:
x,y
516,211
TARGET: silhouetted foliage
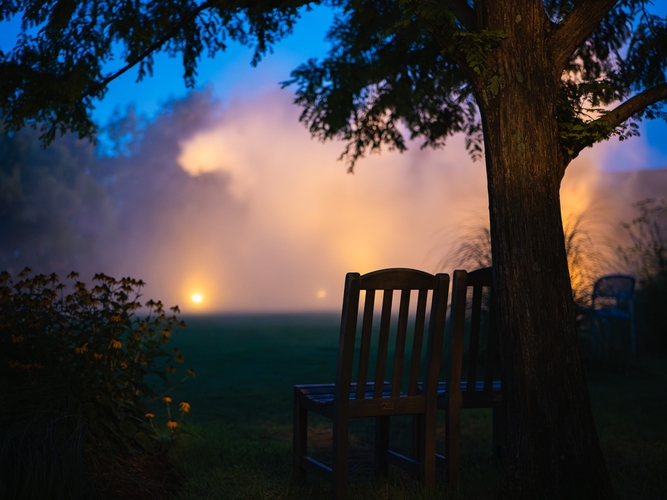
x,y
647,258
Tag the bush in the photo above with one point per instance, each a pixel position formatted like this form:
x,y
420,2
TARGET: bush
x,y
646,257
91,349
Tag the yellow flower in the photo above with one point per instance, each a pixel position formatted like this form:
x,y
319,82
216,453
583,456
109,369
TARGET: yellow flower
x,y
150,415
116,344
190,372
97,355
166,333
137,336
184,407
115,318
166,399
179,359
170,369
123,366
172,424
82,349
17,340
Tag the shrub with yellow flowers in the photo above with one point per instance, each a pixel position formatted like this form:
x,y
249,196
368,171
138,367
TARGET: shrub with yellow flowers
x,y
93,340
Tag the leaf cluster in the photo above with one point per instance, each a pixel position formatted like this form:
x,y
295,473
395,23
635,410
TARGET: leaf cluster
x,y
67,51
93,343
377,81
625,54
386,73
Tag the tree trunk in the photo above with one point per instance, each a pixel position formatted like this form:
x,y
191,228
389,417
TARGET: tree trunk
x,y
553,448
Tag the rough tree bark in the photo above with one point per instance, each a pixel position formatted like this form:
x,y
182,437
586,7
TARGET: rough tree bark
x,y
553,445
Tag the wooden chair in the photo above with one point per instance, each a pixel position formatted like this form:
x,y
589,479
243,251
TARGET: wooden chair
x,y
613,299
354,396
478,383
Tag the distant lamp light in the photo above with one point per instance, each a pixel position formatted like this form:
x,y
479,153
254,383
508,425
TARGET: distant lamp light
x,y
197,298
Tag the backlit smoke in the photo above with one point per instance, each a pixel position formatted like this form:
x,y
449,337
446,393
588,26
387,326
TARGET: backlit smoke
x,y
235,208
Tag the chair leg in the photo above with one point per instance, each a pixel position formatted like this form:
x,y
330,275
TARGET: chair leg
x,y
300,440
499,434
339,459
427,424
417,429
381,445
453,446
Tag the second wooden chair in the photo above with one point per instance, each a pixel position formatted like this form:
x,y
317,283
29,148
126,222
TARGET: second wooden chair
x,y
473,378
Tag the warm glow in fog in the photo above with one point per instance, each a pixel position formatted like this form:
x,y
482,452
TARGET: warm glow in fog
x,y
275,228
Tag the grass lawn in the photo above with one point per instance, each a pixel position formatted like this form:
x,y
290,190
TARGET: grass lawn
x,y
238,442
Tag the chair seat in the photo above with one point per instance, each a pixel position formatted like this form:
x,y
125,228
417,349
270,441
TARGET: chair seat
x,y
323,394
612,313
496,386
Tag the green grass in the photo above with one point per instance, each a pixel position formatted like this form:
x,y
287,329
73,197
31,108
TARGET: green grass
x,y
239,430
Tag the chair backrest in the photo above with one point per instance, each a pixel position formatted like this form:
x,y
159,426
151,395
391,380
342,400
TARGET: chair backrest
x,y
613,286
359,339
473,320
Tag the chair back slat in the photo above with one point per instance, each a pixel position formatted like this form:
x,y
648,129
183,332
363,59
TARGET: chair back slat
x,y
399,351
458,321
417,343
473,346
365,347
383,344
492,351
473,317
346,341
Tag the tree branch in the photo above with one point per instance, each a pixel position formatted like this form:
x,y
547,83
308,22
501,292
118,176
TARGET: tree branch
x,y
184,20
575,29
463,12
633,106
153,47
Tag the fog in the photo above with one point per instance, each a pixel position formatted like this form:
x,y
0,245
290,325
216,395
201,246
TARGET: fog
x,y
235,202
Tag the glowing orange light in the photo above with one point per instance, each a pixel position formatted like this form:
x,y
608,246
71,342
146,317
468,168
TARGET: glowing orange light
x,y
196,298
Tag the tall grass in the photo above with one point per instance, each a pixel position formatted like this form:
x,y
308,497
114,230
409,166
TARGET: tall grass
x,y
588,252
646,257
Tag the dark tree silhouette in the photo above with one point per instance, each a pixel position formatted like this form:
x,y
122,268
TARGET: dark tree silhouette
x,y
530,82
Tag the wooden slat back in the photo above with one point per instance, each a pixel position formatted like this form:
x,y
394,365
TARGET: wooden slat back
x,y
408,286
480,368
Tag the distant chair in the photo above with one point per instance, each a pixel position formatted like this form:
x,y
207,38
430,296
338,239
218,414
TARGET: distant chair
x,y
612,299
365,392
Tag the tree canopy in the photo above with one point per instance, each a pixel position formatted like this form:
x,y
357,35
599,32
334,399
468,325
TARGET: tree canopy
x,y
386,74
